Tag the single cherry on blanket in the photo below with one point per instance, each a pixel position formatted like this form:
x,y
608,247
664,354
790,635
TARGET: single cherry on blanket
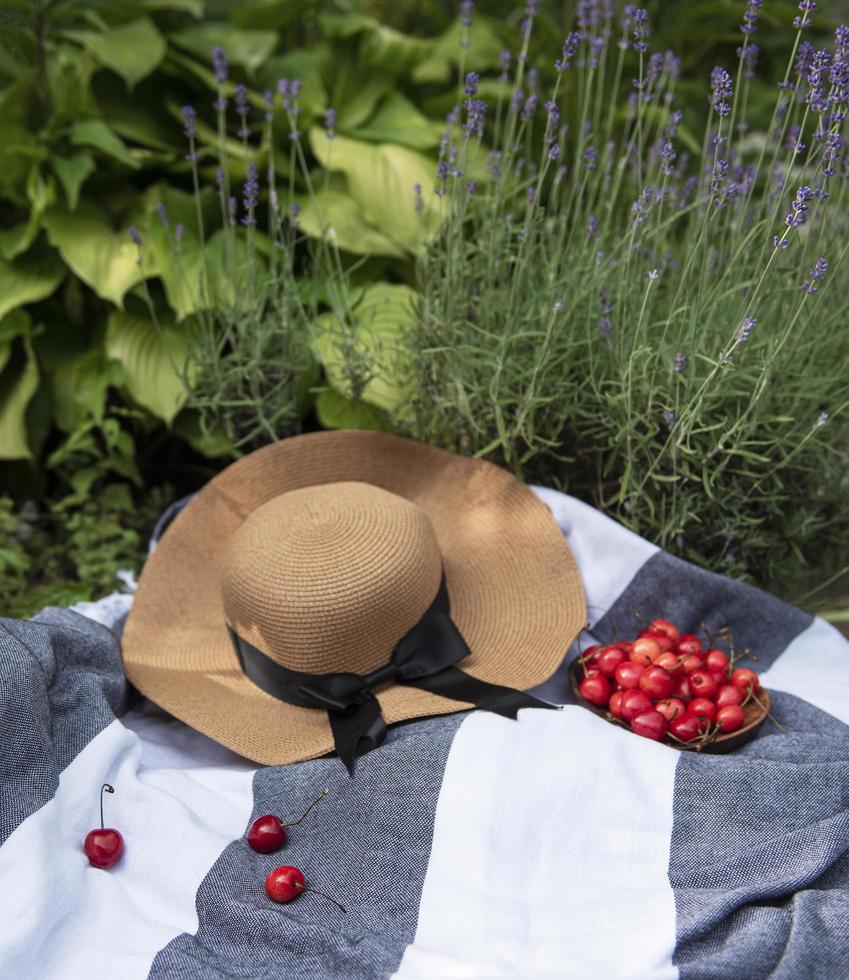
x,y
268,832
287,883
103,847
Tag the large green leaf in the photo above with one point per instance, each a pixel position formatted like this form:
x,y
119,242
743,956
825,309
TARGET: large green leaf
x,y
100,255
334,215
249,49
72,172
357,91
79,388
131,50
96,134
399,121
271,14
334,411
17,386
28,280
382,179
153,358
375,335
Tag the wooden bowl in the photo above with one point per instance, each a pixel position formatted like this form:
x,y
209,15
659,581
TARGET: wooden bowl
x,y
754,715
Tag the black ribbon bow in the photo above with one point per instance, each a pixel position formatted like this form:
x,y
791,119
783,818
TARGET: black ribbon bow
x,y
425,658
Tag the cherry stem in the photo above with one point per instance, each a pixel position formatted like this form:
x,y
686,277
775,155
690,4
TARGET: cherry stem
x,y
105,788
769,714
310,888
320,797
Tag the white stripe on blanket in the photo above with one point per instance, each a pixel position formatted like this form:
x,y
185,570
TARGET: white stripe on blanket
x,y
550,854
177,811
815,667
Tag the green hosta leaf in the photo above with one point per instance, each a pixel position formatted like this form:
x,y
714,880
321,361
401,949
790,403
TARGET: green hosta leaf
x,y
28,280
485,45
131,50
79,389
194,8
270,14
16,324
386,49
382,178
18,239
249,49
72,173
96,134
334,411
357,91
374,337
399,121
153,359
101,256
16,389
333,214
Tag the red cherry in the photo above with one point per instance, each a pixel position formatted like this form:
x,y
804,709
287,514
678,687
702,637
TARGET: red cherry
x,y
284,884
609,659
650,724
670,708
625,646
628,674
287,883
590,652
615,705
682,688
745,678
635,703
268,833
691,663
669,661
702,708
596,690
661,639
103,847
687,644
716,660
686,727
664,626
656,682
703,684
729,694
730,718
643,650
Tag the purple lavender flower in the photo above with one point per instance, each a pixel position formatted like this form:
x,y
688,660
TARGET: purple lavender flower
x,y
669,417
516,100
250,194
831,151
817,96
642,206
721,88
162,214
179,231
553,116
190,118
294,211
591,157
553,151
504,60
330,123
289,92
219,64
798,214
472,79
744,331
135,235
667,158
241,98
749,53
475,117
817,274
592,226
807,7
472,186
822,419
793,143
570,46
750,17
467,9
530,107
671,65
641,30
679,363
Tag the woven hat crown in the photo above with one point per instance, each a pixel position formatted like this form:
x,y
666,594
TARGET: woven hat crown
x,y
330,577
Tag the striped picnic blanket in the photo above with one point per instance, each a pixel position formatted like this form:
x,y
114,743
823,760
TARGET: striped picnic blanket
x,y
466,846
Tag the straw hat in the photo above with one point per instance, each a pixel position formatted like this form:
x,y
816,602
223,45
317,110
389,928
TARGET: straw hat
x,y
300,574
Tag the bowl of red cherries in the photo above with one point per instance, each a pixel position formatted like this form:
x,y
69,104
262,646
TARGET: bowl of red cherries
x,y
670,686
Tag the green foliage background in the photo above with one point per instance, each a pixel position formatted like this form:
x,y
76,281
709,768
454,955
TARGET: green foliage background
x,y
95,427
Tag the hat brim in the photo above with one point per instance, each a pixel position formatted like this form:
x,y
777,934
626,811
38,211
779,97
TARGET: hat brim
x,y
516,593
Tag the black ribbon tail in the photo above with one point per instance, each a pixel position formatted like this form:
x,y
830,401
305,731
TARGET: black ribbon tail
x,y
361,723
451,682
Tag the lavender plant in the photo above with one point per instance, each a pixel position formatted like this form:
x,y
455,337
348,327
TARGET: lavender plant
x,y
657,331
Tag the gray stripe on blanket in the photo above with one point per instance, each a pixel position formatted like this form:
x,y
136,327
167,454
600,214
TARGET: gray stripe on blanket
x,y
367,844
688,595
760,853
61,683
